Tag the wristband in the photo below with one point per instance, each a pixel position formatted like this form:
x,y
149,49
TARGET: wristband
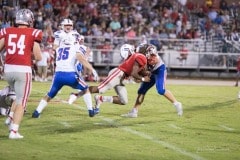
x,y
143,79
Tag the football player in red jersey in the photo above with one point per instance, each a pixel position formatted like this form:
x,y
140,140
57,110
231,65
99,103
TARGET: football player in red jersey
x,y
20,43
158,78
131,67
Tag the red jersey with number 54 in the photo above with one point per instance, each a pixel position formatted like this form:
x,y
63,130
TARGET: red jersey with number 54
x,y
19,45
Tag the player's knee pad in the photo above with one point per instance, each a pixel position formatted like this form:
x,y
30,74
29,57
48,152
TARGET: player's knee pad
x,y
161,91
122,93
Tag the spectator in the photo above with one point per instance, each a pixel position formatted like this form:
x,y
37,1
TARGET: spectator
x,y
225,17
167,4
48,8
238,73
130,33
183,55
178,25
42,66
235,36
39,21
106,55
212,14
108,34
115,24
155,39
233,10
223,5
209,3
224,57
163,34
143,40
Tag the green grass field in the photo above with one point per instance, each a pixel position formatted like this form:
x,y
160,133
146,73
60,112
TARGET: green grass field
x,y
208,130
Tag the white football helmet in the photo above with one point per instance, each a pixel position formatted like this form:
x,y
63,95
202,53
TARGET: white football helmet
x,y
24,17
67,25
126,50
151,50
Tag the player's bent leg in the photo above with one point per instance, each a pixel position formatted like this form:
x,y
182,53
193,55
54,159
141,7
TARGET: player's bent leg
x,y
122,94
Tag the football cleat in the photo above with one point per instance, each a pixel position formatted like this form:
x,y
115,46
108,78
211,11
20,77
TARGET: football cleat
x,y
72,98
179,109
130,114
35,114
15,135
96,110
91,113
98,100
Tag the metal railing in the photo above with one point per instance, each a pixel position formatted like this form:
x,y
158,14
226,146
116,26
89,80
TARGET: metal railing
x,y
202,54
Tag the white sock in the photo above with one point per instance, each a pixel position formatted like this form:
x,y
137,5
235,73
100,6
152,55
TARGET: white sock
x,y
88,100
107,99
42,104
11,114
175,103
14,127
134,110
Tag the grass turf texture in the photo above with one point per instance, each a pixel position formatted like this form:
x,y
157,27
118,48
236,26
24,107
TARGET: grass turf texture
x,y
209,128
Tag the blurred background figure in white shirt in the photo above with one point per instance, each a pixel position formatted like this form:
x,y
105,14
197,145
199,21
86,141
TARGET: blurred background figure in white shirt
x,y
42,66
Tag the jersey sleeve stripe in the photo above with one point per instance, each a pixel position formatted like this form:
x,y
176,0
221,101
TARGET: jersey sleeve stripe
x,y
3,31
36,32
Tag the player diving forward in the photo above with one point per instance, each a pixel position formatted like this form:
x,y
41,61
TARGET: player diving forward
x,y
66,56
131,67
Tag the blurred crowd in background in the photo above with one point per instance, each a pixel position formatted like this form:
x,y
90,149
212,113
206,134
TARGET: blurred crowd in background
x,y
185,19
109,19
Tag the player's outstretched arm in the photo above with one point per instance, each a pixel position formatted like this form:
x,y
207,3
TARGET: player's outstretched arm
x,y
84,62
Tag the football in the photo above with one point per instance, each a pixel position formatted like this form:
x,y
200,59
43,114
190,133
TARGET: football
x,y
144,72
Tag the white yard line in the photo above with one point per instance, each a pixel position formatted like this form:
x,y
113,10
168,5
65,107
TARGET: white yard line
x,y
163,143
174,126
65,124
226,128
140,134
148,137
